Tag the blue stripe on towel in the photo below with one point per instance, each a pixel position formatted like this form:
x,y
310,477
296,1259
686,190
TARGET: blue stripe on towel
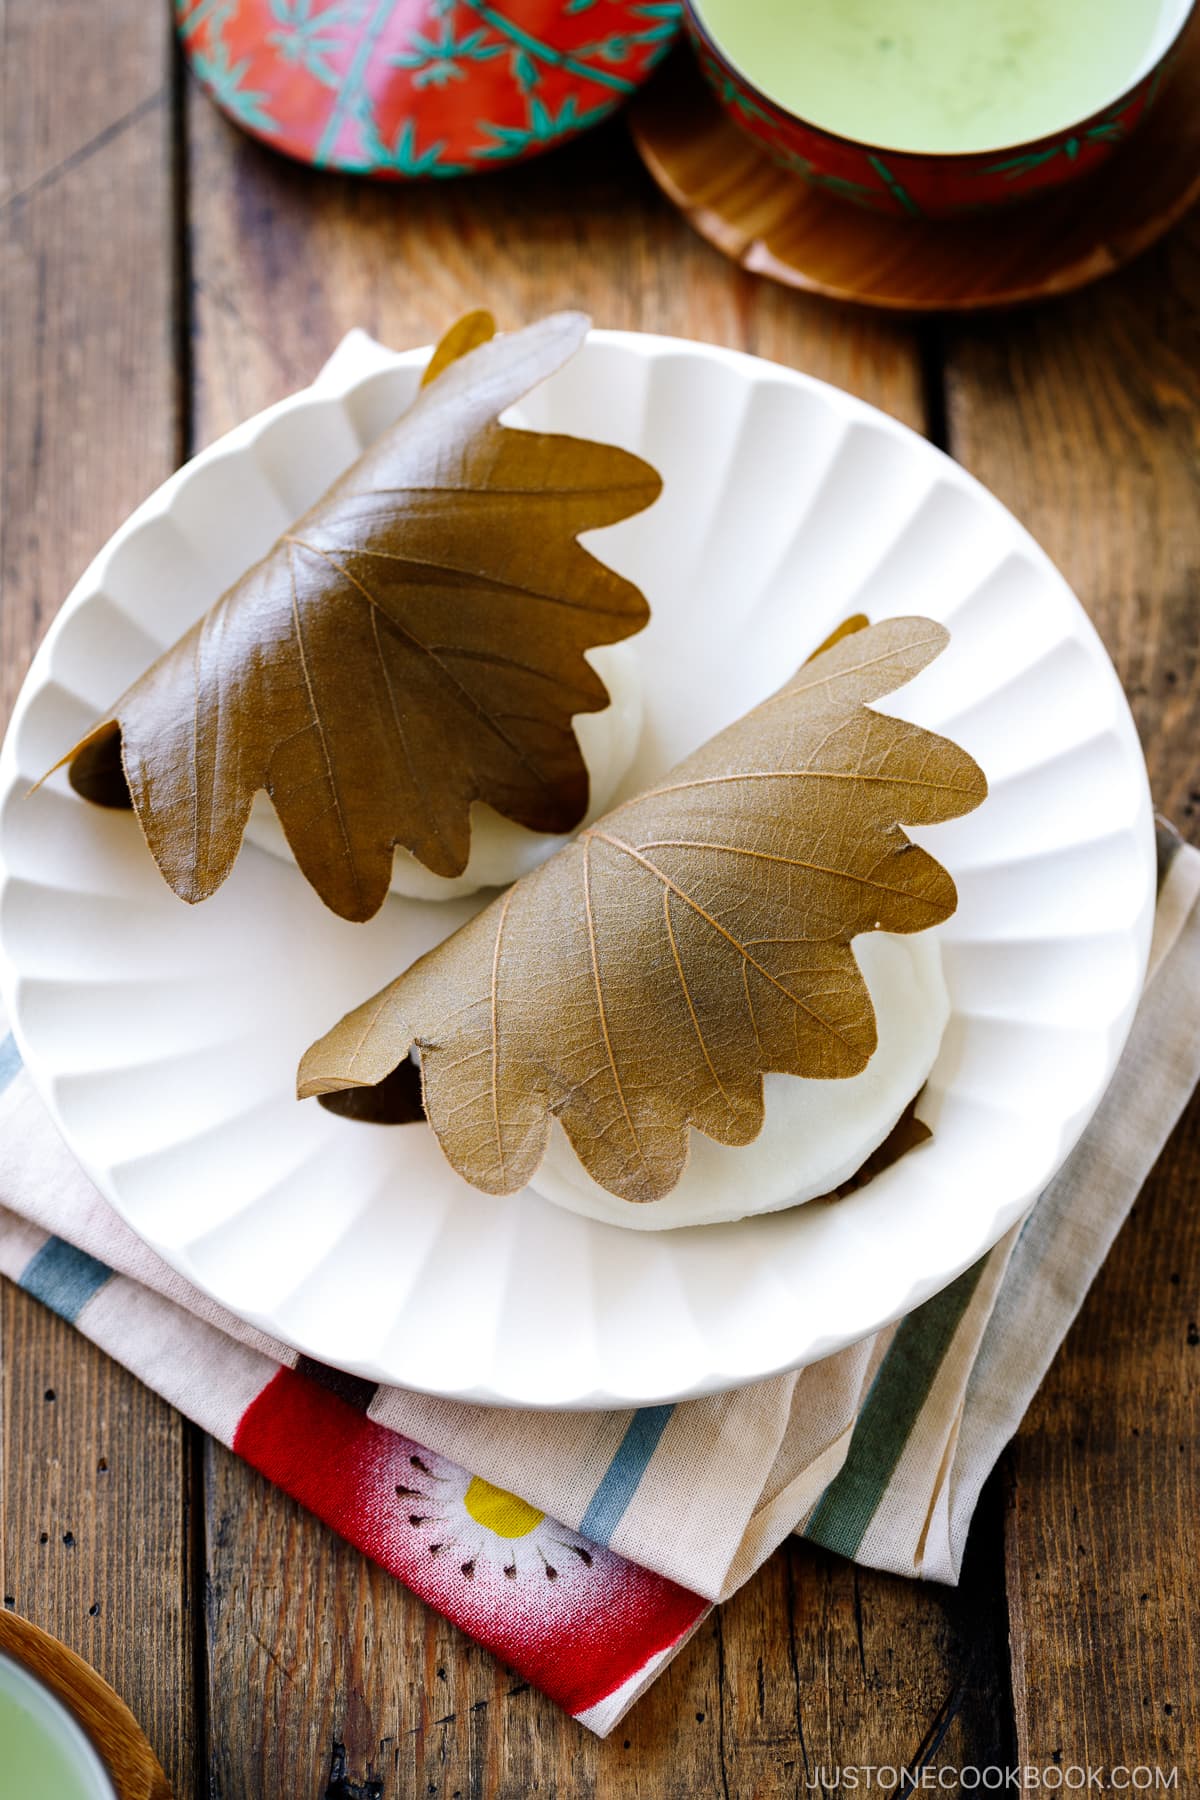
x,y
619,1481
10,1061
64,1278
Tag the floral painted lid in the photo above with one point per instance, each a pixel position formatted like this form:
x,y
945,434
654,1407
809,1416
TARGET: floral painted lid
x,y
411,88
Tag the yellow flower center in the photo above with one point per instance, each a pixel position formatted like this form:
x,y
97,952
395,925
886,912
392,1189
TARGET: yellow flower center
x,y
502,1513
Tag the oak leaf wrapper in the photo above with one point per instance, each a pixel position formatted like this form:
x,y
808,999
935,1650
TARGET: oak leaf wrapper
x,y
646,977
412,644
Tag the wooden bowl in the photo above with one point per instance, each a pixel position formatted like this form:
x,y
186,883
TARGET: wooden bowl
x,y
932,185
774,224
130,1763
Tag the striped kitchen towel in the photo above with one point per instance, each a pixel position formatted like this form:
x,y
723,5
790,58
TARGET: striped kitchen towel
x,y
585,1548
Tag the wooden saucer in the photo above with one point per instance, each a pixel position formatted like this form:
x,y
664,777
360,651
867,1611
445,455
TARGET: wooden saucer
x,y
132,1765
775,224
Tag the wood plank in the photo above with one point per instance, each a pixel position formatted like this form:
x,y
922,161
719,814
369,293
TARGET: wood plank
x,y
133,1768
94,1483
95,1500
285,262
1104,1532
808,238
1084,419
320,1662
309,1647
88,413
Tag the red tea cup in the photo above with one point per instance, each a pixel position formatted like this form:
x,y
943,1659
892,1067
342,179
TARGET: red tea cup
x,y
938,183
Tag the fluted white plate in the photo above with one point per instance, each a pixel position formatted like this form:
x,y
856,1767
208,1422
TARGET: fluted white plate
x,y
165,1038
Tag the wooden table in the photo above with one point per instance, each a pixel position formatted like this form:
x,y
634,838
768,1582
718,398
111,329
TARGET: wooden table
x,y
162,278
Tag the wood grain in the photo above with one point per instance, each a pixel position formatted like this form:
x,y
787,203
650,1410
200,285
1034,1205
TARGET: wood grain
x,y
95,1537
322,1665
88,414
812,1664
131,1764
1084,418
322,1676
1104,1532
770,221
94,1482
285,261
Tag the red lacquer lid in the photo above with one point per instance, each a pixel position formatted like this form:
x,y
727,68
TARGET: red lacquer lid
x,y
403,89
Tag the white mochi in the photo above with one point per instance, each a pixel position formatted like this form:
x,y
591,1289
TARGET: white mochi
x,y
815,1133
500,850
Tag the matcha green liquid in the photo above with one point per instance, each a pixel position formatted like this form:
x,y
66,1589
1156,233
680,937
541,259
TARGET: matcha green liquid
x,y
947,75
43,1753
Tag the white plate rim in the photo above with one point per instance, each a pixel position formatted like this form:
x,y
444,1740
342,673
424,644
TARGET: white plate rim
x,y
934,1276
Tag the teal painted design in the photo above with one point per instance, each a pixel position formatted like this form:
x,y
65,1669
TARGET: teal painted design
x,y
763,125
308,35
1156,80
543,129
433,62
403,156
225,80
732,94
422,88
350,95
191,22
895,187
621,44
833,184
538,52
1106,131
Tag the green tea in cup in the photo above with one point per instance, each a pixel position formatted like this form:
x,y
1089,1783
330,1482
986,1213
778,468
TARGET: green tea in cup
x,y
942,76
44,1752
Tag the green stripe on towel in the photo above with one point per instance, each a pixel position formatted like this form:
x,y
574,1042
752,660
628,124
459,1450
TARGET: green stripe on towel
x,y
890,1411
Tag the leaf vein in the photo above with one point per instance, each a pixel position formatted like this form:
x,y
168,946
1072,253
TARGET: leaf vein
x,y
700,1039
599,987
319,723
661,875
